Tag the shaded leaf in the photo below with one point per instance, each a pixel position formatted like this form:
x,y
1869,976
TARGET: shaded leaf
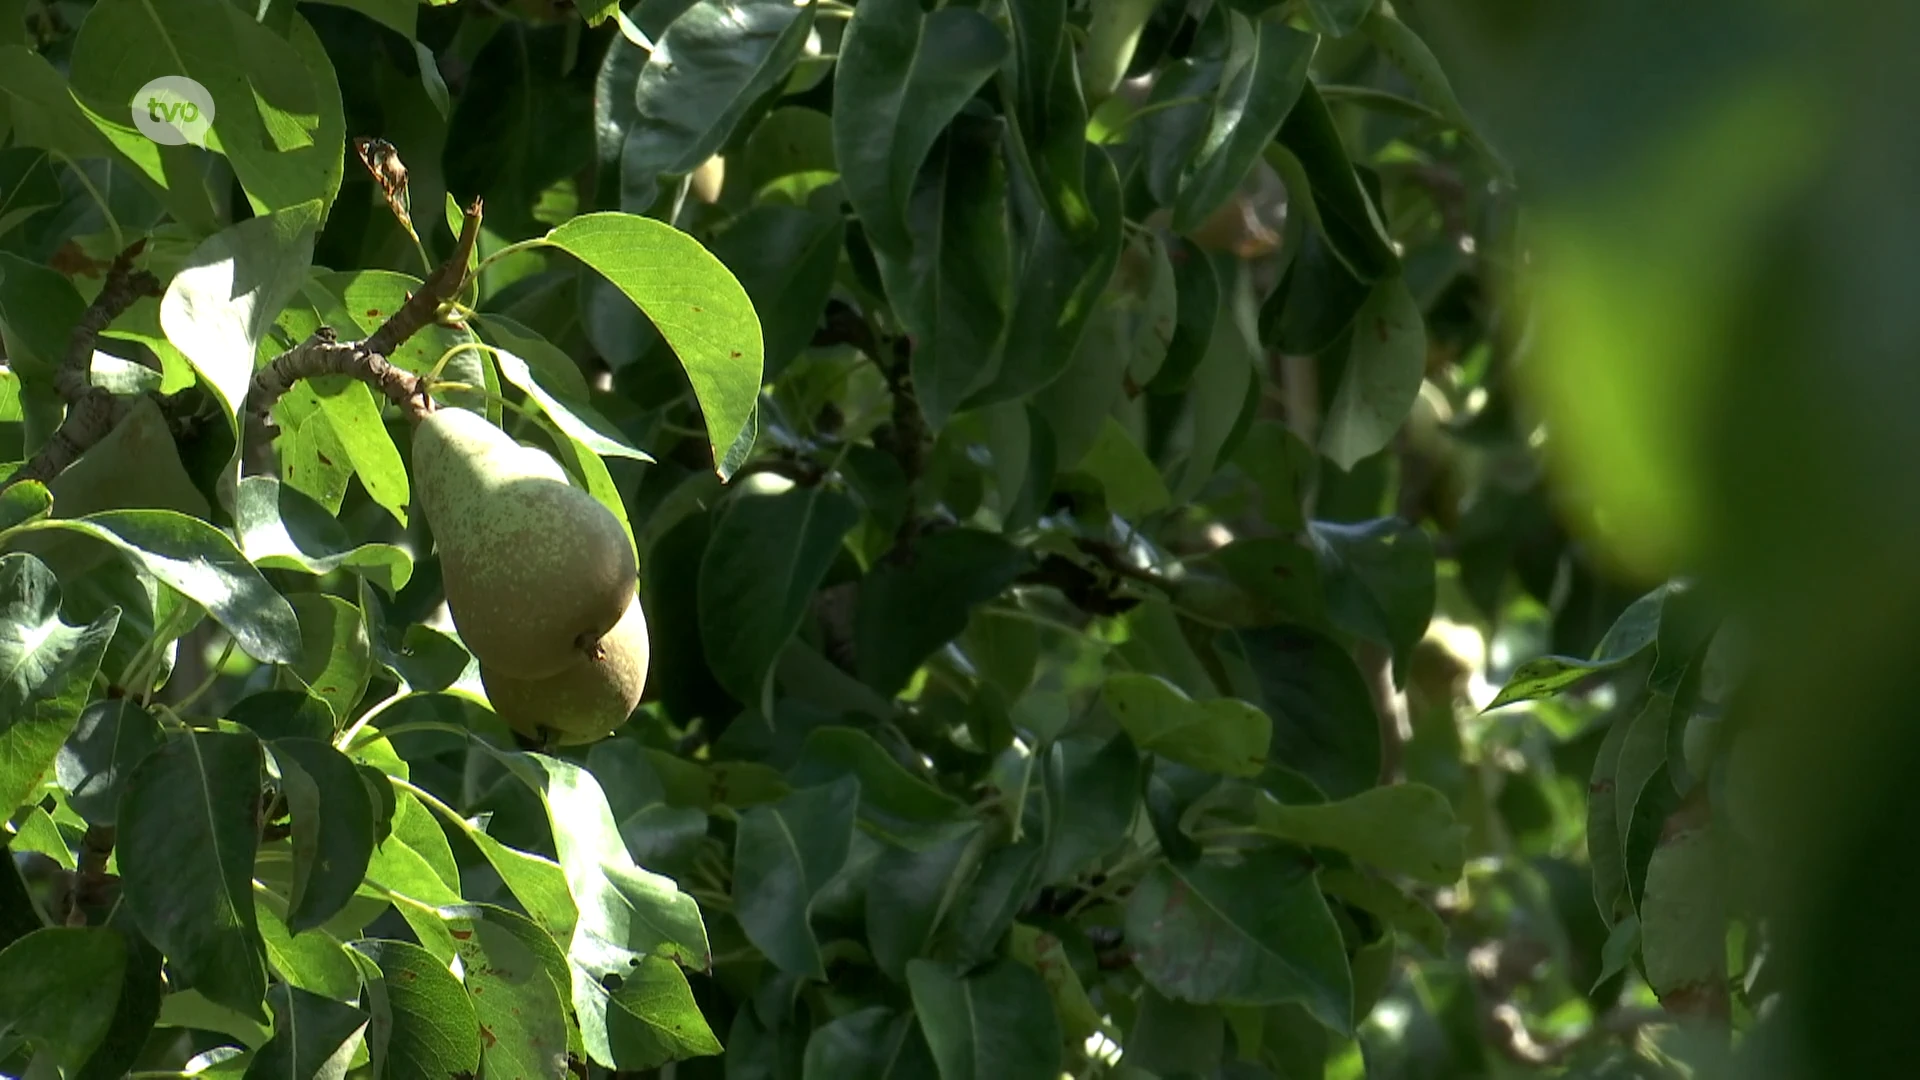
x,y
1402,828
1379,578
785,854
1220,735
1093,793
1324,721
1385,366
1253,100
1252,932
908,611
766,555
58,989
894,802
332,812
186,840
909,891
997,1021
313,1038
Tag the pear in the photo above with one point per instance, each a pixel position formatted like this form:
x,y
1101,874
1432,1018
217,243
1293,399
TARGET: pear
x,y
536,571
585,702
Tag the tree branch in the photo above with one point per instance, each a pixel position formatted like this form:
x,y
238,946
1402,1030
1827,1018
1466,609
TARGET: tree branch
x,y
324,354
92,411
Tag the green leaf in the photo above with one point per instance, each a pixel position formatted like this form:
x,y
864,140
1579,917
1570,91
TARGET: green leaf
x,y
951,290
336,659
396,15
1050,120
313,1038
58,990
1340,206
1002,889
1683,914
898,805
1223,380
695,303
200,562
353,416
652,1018
333,836
280,528
434,1030
50,668
225,299
111,738
313,961
785,257
38,309
1389,903
874,1043
757,578
1402,828
356,302
186,841
1047,955
277,111
1175,1036
1605,850
1324,721
715,61
1338,18
1263,80
997,1021
1198,300
902,76
908,612
785,854
1251,932
1379,580
134,1014
574,417
1220,735
1093,793
910,891
1401,46
1058,287
1132,483
516,996
1385,367
624,910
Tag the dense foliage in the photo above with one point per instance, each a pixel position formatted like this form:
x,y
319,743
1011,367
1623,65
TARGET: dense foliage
x,y
1156,565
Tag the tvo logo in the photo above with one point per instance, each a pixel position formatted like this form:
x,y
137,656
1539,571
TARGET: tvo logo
x,y
173,110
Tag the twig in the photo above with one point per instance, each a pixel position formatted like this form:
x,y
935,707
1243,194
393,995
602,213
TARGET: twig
x,y
92,411
324,354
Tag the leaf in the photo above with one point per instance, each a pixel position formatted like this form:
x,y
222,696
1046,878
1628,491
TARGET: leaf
x,y
1324,721
1058,286
575,418
1197,303
313,1038
277,109
353,416
908,612
1093,793
1379,580
434,1030
624,910
226,297
186,841
1422,69
997,1021
874,1043
134,1014
1003,888
715,61
1340,206
1385,367
1252,932
785,854
1223,381
313,961
336,659
696,304
1387,902
1683,914
1050,120
1338,18
280,528
1047,956
766,556
1253,100
894,802
1220,735
1605,850
910,890
785,257
1132,483
951,289
516,998
111,738
333,837
200,562
901,77
38,308
653,1018
50,668
1401,828
58,989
